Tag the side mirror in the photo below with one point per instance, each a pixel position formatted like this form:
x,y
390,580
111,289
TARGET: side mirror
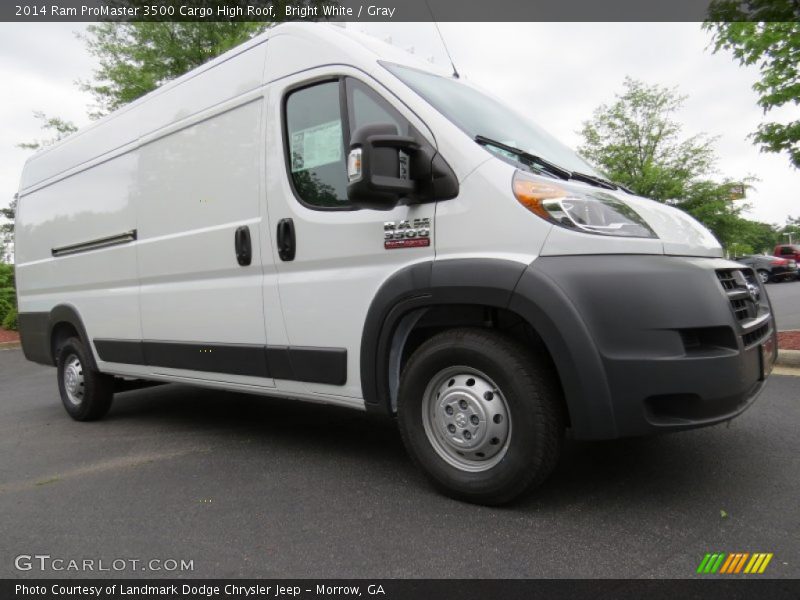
x,y
384,167
378,167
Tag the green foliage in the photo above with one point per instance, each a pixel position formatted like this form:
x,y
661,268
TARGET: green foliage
x,y
708,202
136,58
792,227
10,211
10,320
8,296
58,128
770,40
7,303
737,249
6,276
7,228
762,237
636,141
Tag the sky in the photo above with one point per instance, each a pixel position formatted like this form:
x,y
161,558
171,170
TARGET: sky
x,y
557,73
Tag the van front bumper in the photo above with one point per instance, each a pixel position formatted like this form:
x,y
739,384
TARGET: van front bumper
x,y
647,344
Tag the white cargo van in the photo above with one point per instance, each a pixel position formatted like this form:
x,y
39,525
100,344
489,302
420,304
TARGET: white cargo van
x,y
317,215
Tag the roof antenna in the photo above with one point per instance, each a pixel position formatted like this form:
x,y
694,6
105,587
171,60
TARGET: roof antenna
x,y
441,37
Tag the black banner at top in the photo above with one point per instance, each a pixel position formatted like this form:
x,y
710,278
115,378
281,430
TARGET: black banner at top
x,y
398,10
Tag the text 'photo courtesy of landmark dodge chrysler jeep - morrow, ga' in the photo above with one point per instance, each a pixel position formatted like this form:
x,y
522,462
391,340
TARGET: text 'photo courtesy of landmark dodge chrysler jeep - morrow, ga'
x,y
318,215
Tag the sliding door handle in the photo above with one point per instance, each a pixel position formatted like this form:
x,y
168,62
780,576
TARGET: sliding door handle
x,y
286,240
243,245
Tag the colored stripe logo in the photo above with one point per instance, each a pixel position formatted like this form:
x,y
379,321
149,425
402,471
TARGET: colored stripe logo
x,y
734,563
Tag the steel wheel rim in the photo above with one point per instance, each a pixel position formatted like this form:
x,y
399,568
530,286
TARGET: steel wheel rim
x,y
74,384
466,419
764,277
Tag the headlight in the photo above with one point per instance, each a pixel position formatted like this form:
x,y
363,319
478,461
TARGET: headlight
x,y
588,211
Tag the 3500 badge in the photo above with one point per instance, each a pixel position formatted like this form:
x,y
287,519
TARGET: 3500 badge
x,y
414,233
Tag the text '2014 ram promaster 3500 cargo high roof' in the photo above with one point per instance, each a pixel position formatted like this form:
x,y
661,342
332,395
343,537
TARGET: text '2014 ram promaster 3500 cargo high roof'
x,y
317,215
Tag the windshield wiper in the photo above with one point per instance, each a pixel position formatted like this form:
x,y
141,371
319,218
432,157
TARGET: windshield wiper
x,y
526,157
594,180
552,168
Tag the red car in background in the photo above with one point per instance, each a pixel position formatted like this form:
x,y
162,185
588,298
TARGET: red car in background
x,y
788,252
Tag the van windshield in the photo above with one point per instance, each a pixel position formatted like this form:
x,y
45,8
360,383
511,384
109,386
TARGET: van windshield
x,y
476,113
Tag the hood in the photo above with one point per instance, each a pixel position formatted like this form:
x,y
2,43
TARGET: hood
x,y
680,233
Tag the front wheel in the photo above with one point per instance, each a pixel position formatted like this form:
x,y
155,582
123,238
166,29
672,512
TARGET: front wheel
x,y
763,276
481,415
85,393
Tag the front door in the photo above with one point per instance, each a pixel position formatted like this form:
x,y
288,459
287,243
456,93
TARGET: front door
x,y
340,255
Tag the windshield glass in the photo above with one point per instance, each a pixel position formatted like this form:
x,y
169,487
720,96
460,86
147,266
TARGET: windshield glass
x,y
475,113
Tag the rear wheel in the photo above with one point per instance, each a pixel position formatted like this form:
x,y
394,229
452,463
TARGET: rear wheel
x,y
481,415
763,276
85,393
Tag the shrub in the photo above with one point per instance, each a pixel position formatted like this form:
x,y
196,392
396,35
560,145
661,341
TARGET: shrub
x,y
10,320
6,276
8,296
5,305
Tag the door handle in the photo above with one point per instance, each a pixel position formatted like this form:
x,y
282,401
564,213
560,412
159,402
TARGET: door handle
x,y
286,239
243,245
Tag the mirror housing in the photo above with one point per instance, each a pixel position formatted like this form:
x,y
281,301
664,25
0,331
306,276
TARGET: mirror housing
x,y
378,167
384,167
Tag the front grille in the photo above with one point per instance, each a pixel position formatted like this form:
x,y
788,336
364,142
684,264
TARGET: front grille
x,y
755,336
740,308
726,279
737,284
745,296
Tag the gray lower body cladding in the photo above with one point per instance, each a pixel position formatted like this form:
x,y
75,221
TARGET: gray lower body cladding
x,y
645,344
642,344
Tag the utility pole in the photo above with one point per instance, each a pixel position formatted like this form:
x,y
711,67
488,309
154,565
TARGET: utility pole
x,y
790,234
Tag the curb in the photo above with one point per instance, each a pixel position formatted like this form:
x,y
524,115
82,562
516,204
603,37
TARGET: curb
x,y
788,358
10,345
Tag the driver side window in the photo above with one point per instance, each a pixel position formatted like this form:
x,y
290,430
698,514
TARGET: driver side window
x,y
318,130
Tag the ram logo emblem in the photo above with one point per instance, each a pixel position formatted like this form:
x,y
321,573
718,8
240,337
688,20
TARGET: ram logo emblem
x,y
411,233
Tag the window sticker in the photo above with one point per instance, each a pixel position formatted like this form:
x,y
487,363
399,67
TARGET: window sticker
x,y
316,146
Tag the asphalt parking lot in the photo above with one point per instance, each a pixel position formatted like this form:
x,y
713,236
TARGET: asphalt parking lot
x,y
785,298
245,486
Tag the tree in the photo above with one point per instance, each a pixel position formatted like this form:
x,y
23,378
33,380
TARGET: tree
x,y
765,33
762,237
59,129
709,202
8,297
636,141
790,231
136,58
7,230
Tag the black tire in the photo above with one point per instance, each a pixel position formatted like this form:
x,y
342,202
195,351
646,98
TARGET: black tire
x,y
85,393
524,383
764,276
